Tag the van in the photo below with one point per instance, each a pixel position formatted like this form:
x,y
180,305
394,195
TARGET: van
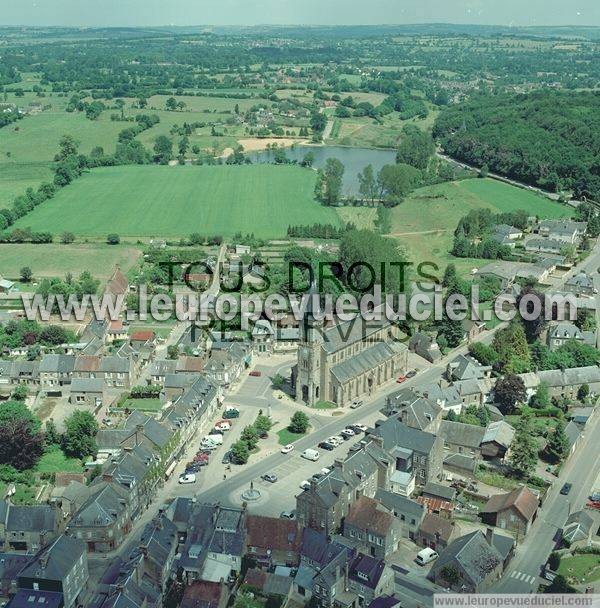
x,y
216,438
426,556
310,454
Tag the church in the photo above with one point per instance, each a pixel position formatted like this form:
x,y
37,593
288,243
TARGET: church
x,y
346,361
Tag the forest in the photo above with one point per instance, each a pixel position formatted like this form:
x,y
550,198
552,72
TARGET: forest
x,y
547,138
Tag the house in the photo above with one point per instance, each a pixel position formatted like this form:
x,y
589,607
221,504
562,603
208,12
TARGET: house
x,y
116,332
175,385
514,511
472,329
6,286
544,245
508,271
27,528
90,392
560,333
414,410
435,532
60,568
465,367
10,566
56,371
117,371
461,438
566,231
273,541
409,512
578,527
565,383
437,490
225,365
142,338
202,594
580,284
497,440
327,501
425,346
263,337
214,545
270,583
158,546
104,519
69,498
574,436
472,563
505,234
368,578
160,369
415,452
373,527
118,284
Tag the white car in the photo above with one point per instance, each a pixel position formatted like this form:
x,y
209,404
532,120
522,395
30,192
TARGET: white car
x,y
362,427
304,485
335,440
187,478
325,470
222,426
286,449
347,433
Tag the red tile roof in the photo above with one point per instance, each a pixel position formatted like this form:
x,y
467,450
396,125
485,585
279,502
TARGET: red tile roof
x,y
142,336
368,514
272,533
201,594
117,284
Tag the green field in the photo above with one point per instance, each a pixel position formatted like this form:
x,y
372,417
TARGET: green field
x,y
176,201
145,405
424,223
56,260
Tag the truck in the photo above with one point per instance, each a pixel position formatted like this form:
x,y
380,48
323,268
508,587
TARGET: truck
x,y
310,454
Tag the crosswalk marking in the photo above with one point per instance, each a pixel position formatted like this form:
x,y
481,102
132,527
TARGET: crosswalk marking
x,y
522,576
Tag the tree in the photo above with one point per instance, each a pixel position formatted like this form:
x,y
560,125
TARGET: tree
x,y
299,423
240,452
558,444
541,399
113,239
554,561
509,391
20,446
533,327
250,436
171,103
52,436
263,425
67,238
172,351
278,381
416,147
583,392
368,183
79,438
396,181
17,410
19,393
333,173
523,451
26,274
163,150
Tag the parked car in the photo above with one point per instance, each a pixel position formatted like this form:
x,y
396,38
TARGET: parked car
x,y
566,488
223,425
411,374
255,373
187,478
355,404
347,433
401,379
361,428
286,449
310,454
226,457
270,477
288,514
355,447
195,467
304,485
325,445
232,412
426,556
216,438
107,422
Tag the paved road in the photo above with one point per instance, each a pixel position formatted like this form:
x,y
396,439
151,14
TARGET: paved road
x,y
581,470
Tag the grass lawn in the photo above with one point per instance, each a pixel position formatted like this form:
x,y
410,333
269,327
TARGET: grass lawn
x,y
54,461
286,436
581,568
15,178
145,405
176,201
324,405
495,479
424,223
361,217
56,260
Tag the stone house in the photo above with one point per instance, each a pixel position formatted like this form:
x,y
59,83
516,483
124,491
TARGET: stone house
x,y
90,392
408,512
272,541
56,372
514,511
27,528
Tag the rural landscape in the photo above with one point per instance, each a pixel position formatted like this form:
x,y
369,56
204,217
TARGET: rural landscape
x,y
256,461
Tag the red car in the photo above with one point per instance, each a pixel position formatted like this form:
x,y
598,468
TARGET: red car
x,y
255,373
401,379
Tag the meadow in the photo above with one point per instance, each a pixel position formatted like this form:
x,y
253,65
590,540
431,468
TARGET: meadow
x,y
56,259
137,201
424,223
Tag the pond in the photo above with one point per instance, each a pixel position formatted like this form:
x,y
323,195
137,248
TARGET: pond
x,y
353,159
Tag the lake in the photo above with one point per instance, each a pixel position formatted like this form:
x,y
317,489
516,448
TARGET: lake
x,y
353,159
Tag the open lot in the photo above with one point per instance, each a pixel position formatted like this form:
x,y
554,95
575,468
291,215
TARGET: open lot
x,y
176,201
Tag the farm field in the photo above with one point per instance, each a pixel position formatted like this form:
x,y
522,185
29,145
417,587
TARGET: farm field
x,y
425,222
16,178
176,201
56,260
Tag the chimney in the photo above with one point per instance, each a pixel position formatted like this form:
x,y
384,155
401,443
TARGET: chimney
x,y
489,536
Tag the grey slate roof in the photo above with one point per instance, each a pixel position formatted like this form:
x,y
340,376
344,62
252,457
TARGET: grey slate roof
x,y
61,556
366,360
396,434
62,364
437,489
87,385
400,504
499,432
458,433
22,518
461,461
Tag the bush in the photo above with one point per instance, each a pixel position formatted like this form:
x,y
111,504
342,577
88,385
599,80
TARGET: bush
x,y
113,239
